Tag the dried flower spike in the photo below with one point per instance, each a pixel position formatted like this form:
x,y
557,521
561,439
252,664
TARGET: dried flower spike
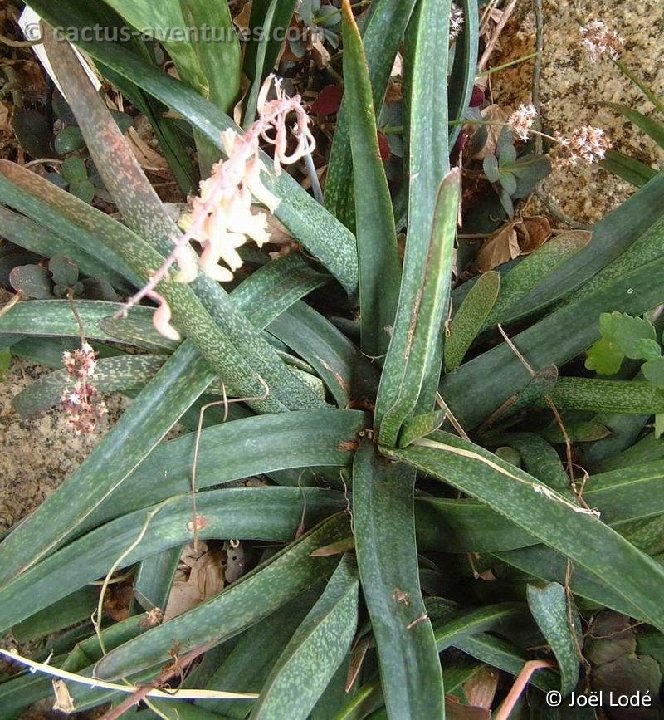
x,y
598,40
588,144
82,403
522,119
221,218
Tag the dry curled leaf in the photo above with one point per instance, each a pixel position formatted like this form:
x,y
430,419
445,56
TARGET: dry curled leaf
x,y
518,237
200,575
63,699
501,247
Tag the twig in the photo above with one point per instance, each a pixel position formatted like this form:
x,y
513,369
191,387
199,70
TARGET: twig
x,y
519,686
10,304
537,70
549,402
96,617
559,215
199,429
19,43
490,47
51,671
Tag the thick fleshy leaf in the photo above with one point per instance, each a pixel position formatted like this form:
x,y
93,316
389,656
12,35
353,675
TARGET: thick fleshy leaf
x,y
242,604
318,231
549,607
387,556
180,381
423,303
555,520
382,32
380,267
236,450
469,319
243,513
629,397
316,649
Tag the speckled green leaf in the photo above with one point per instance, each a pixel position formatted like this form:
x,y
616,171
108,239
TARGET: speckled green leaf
x,y
380,267
423,303
242,604
111,375
382,32
473,622
244,513
45,241
483,384
236,450
180,381
318,231
387,556
349,375
255,652
464,66
628,168
469,319
532,270
555,520
500,654
316,649
549,607
629,397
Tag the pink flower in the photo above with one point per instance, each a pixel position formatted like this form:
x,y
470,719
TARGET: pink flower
x,y
522,119
587,143
222,218
598,40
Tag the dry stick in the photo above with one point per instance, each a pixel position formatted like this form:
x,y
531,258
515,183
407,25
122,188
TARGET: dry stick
x,y
10,304
79,321
199,429
519,686
570,617
507,12
166,674
537,70
96,616
51,671
549,402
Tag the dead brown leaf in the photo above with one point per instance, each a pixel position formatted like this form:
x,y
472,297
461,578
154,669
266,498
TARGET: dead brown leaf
x,y
63,699
480,689
491,114
147,158
501,247
319,53
532,232
199,576
241,20
521,236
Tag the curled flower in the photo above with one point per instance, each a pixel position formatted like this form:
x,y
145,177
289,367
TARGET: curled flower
x,y
588,144
162,318
221,218
598,40
522,119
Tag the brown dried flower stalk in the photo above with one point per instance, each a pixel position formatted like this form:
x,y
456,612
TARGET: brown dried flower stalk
x,y
221,218
82,403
